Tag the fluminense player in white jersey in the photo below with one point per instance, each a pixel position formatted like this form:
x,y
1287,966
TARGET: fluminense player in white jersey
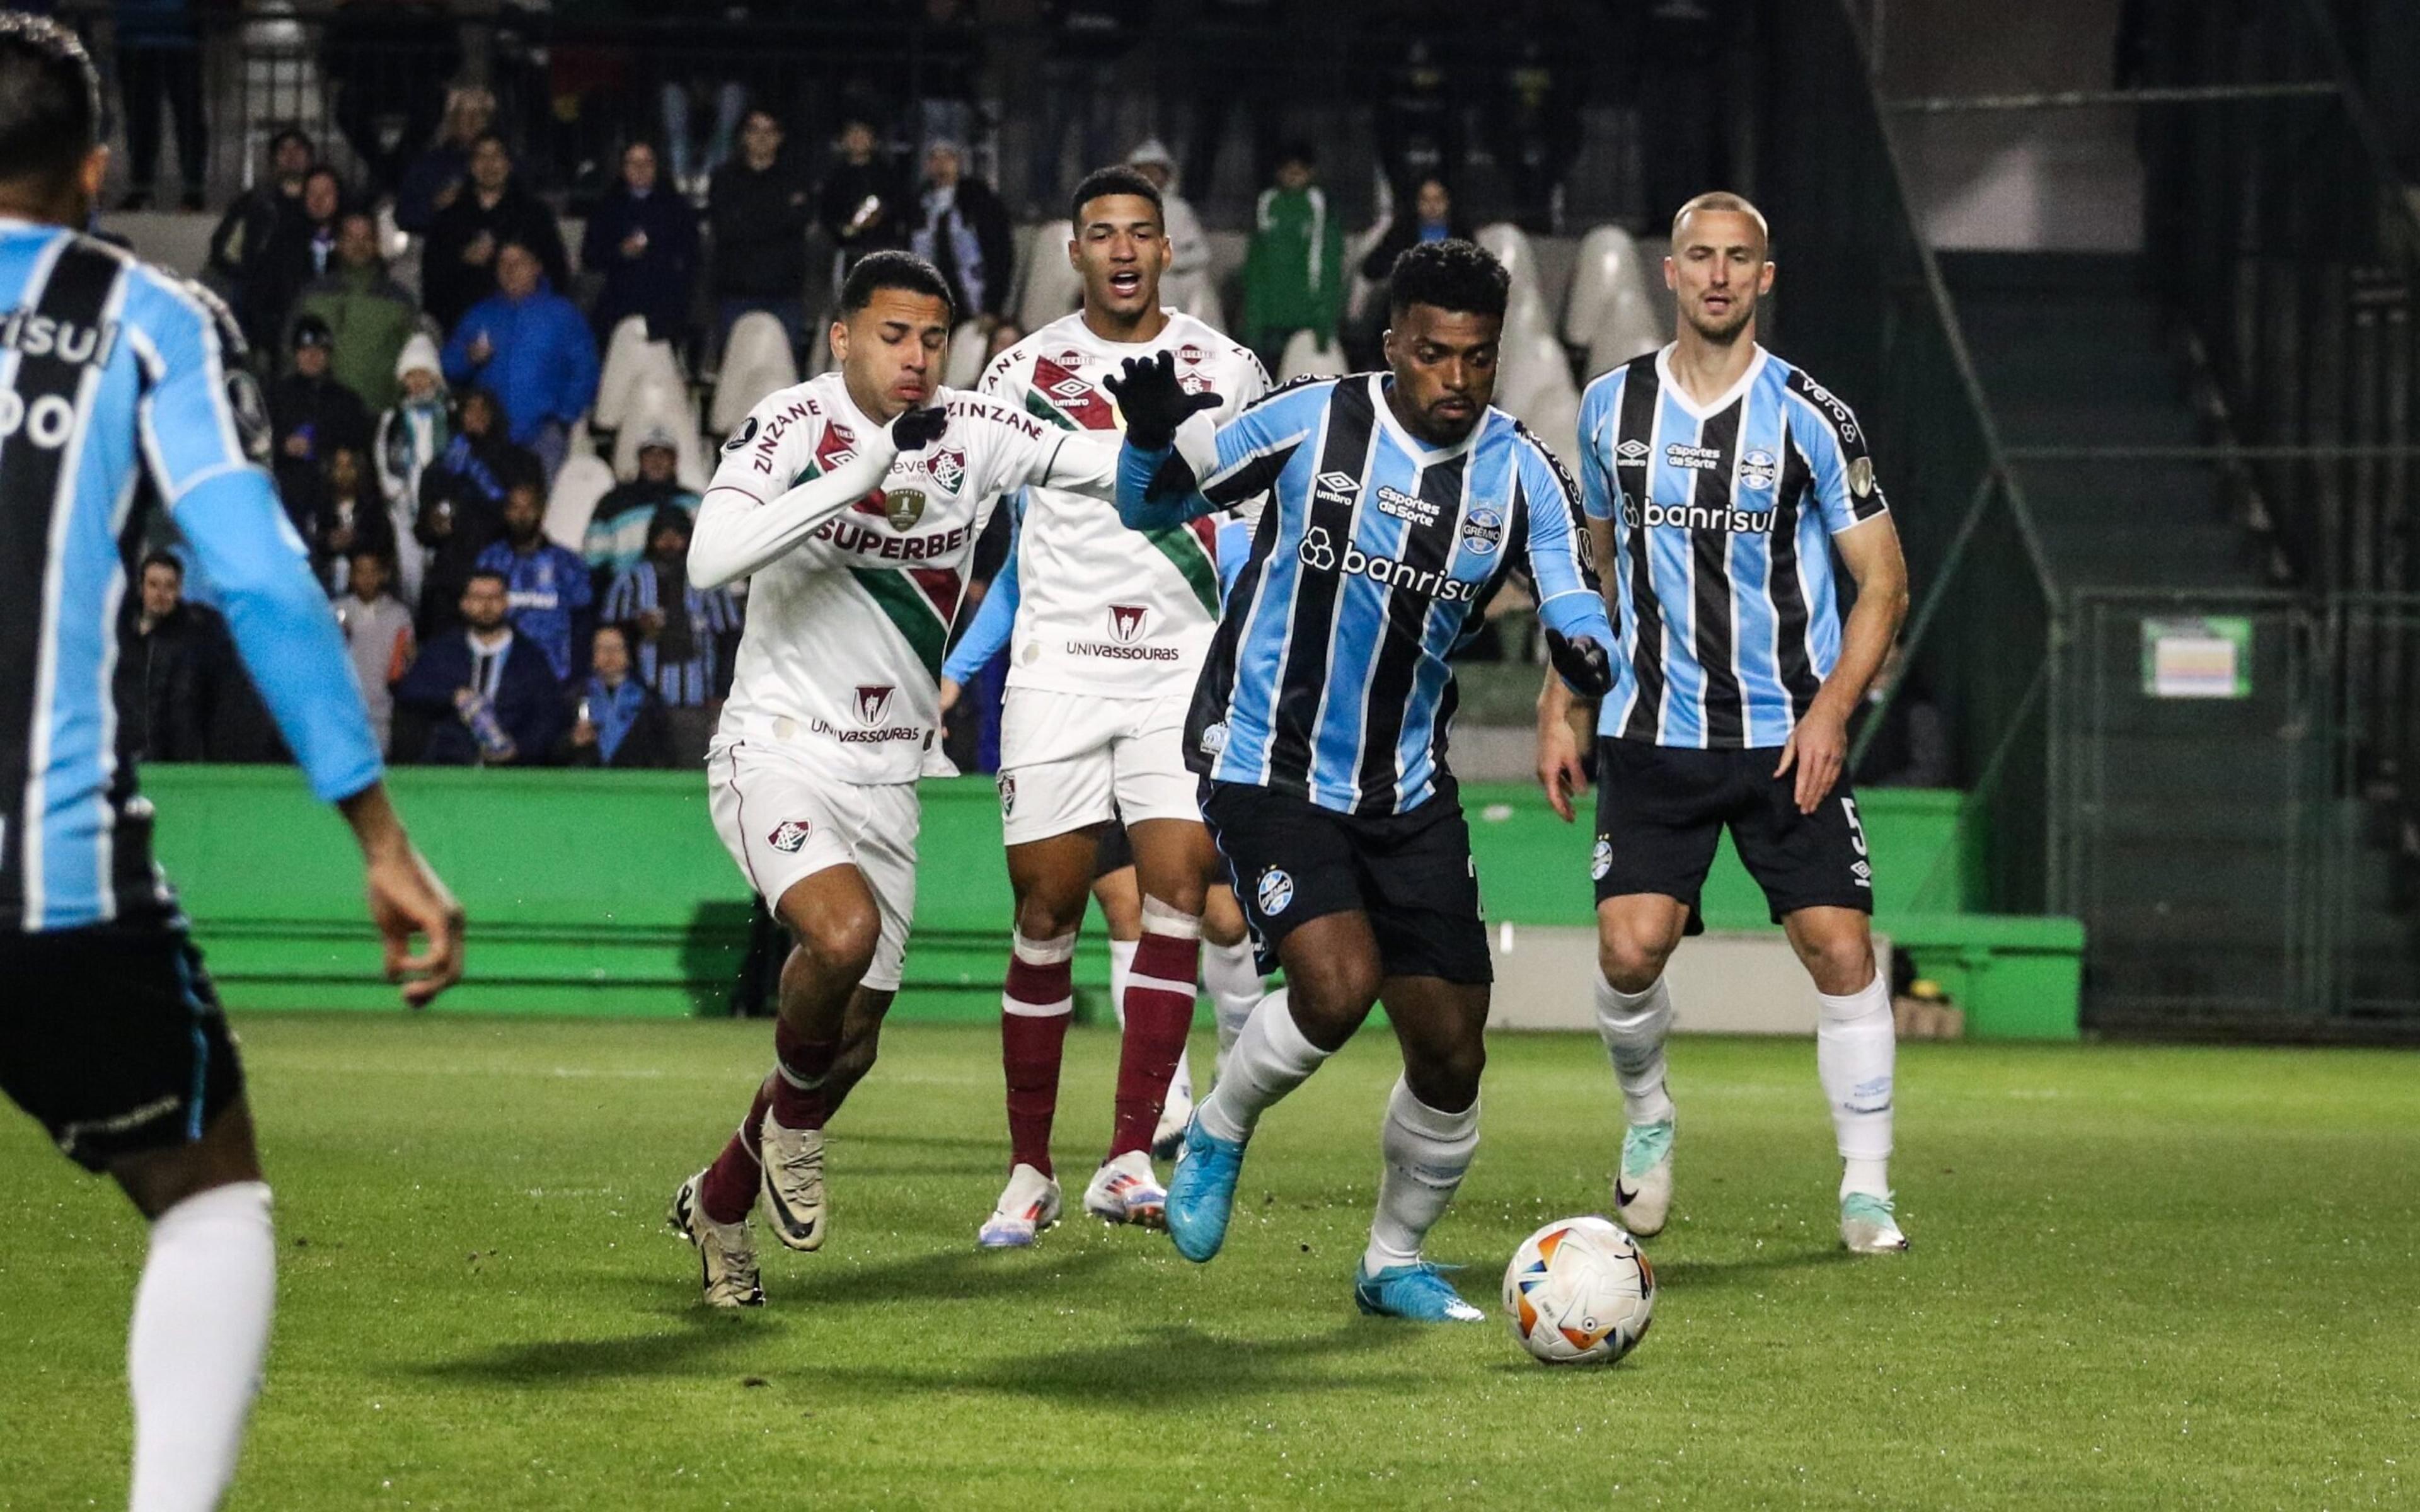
x,y
1111,626
854,500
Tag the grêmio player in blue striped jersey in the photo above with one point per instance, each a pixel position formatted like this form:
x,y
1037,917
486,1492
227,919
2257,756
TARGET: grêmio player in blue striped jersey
x,y
119,396
1719,482
1398,502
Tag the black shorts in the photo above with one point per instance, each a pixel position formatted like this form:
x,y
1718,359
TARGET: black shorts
x,y
1661,811
1411,873
113,1037
1112,850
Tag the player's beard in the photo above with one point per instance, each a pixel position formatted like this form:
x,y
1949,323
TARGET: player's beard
x,y
1727,331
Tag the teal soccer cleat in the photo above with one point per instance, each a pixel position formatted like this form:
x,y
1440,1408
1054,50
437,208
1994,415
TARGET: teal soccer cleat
x,y
1202,1193
1418,1292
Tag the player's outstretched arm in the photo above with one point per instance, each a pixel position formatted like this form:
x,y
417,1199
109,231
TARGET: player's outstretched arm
x,y
1562,721
1157,482
1819,742
741,531
407,899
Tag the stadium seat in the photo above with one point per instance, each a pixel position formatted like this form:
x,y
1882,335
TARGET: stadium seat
x,y
662,401
1050,286
1307,356
1527,311
1533,376
1197,295
1555,421
1610,313
965,356
819,357
630,357
755,361
584,480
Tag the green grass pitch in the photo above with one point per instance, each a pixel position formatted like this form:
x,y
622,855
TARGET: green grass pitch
x,y
2143,1277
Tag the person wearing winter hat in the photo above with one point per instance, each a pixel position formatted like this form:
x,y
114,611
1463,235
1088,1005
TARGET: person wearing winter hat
x,y
1187,284
620,528
412,433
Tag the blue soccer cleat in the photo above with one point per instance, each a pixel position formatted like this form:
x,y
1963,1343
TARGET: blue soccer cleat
x,y
1202,1193
1418,1292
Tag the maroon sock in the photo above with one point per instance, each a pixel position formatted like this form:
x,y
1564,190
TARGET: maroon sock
x,y
1159,1014
1036,1004
729,1189
800,1066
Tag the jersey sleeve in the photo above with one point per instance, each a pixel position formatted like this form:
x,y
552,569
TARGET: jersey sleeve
x,y
769,492
1597,407
202,431
1202,473
1570,601
1020,452
1841,473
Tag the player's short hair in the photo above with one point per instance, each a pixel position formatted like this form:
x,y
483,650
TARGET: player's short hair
x,y
162,559
1118,179
879,270
1457,275
50,99
1723,199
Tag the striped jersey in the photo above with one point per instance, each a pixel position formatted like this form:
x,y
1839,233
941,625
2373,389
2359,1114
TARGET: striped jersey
x,y
1722,516
119,394
1328,679
683,683
1102,610
842,650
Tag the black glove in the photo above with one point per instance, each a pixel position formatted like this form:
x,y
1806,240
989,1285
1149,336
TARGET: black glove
x,y
919,428
1154,403
1582,664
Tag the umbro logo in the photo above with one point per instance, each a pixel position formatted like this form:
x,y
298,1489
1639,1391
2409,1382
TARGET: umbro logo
x,y
1632,450
1336,488
1070,388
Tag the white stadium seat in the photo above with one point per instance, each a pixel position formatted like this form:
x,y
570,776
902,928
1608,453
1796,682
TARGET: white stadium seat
x,y
1050,286
1612,311
629,358
965,356
659,401
1197,295
1533,376
1307,356
1527,311
584,480
755,361
1555,421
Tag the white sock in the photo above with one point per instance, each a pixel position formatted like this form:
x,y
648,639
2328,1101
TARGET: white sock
x,y
1633,1027
1270,1059
1235,985
1122,954
1180,1086
1855,1051
200,1333
1427,1152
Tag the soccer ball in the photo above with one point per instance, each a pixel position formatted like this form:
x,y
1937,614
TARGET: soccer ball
x,y
1579,1292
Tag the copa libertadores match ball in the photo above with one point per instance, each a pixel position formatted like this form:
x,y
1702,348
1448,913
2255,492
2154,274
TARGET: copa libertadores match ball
x,y
1579,1292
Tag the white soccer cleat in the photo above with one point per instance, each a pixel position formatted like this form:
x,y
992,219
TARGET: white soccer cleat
x,y
1168,1136
1028,1205
1642,1183
1127,1190
1868,1226
726,1253
794,1182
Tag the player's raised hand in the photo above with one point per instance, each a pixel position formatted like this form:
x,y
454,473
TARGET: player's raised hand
x,y
1153,401
919,428
1581,662
1819,745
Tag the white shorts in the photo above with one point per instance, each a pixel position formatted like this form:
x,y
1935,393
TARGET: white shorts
x,y
1072,760
781,822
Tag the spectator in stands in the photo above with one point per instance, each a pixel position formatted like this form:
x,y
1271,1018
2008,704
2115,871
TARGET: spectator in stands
x,y
862,204
1003,335
1293,276
617,719
483,695
948,68
462,505
1536,122
1911,747
1418,119
311,414
458,268
1186,286
436,177
160,53
1431,215
369,314
411,436
350,516
388,63
298,253
528,345
685,635
378,632
618,530
1077,88
251,223
962,229
759,212
551,602
694,76
642,237
167,677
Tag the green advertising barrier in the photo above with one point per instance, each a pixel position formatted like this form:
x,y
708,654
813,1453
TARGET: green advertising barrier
x,y
607,893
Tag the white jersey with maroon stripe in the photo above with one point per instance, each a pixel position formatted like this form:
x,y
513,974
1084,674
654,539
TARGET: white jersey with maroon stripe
x,y
841,652
1103,610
